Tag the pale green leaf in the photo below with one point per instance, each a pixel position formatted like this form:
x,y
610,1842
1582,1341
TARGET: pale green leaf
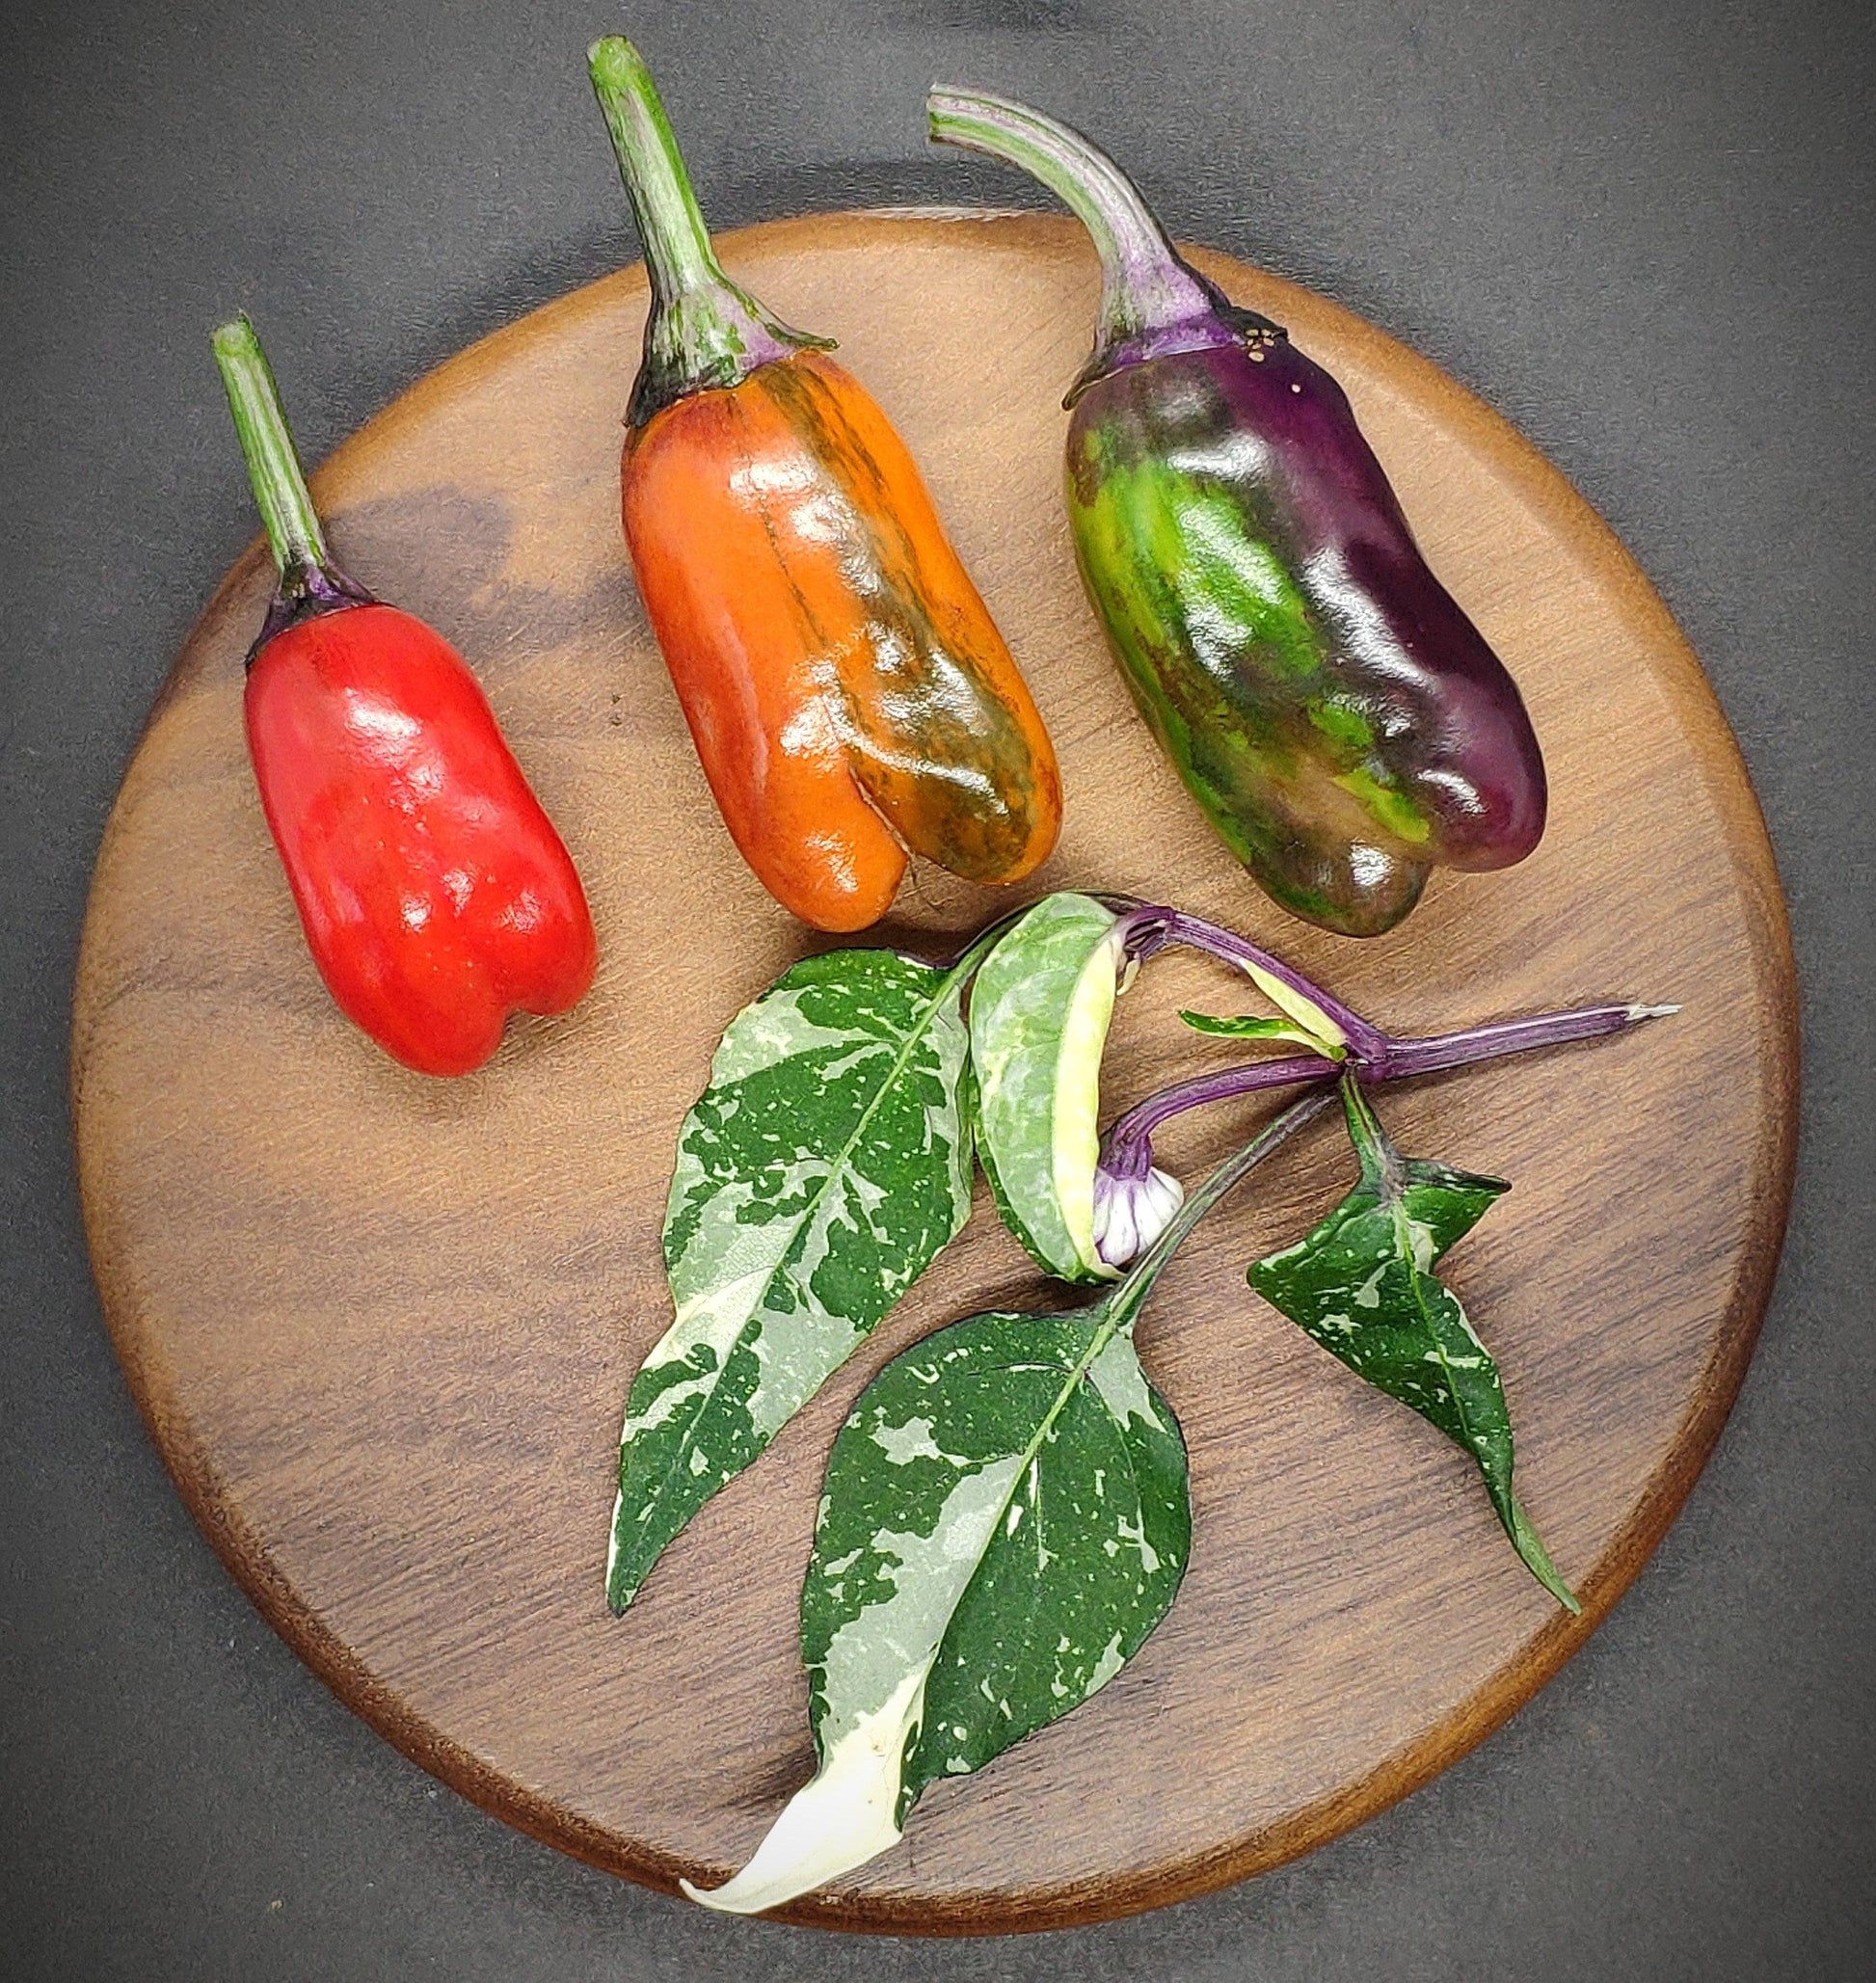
x,y
1041,1008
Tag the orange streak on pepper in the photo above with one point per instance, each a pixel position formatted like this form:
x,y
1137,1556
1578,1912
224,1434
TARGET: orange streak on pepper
x,y
849,693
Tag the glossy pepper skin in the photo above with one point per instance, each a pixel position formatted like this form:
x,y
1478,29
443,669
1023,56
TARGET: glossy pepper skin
x,y
849,696
435,894
1339,719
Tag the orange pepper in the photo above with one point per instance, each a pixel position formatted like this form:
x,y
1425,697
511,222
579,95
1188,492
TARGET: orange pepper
x,y
849,693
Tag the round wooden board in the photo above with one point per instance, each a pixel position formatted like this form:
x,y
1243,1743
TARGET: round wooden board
x,y
382,1326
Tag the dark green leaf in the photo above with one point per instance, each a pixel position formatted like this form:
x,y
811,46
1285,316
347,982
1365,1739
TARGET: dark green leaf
x,y
1004,1520
1362,1285
818,1175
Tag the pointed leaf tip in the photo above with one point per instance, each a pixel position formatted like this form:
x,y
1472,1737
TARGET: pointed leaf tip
x,y
837,1820
954,1604
1362,1286
1535,1557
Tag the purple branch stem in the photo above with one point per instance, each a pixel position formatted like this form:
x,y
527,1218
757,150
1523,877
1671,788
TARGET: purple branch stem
x,y
1408,1056
1152,927
1126,1148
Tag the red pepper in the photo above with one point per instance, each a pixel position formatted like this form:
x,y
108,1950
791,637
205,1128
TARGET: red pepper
x,y
436,896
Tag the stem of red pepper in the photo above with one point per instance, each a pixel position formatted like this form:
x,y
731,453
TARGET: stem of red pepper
x,y
309,582
704,330
1152,302
287,513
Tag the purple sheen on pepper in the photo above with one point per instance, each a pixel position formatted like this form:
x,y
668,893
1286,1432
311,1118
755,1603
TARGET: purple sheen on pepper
x,y
1337,716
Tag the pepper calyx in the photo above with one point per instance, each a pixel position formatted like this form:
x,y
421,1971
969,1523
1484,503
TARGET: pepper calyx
x,y
711,341
305,592
1222,325
704,331
1153,301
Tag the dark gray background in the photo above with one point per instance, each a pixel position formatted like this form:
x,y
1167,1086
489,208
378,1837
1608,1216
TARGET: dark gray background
x,y
1642,230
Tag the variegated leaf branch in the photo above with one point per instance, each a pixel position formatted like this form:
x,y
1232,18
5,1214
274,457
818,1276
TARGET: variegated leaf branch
x,y
1362,1285
1004,1522
818,1175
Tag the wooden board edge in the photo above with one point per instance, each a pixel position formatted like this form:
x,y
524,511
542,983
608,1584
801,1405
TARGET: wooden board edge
x,y
246,1559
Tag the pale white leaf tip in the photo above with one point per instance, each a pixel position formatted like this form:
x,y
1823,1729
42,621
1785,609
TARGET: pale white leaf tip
x,y
1636,1012
837,1820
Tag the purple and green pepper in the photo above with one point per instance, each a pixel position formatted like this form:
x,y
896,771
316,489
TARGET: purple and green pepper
x,y
1340,720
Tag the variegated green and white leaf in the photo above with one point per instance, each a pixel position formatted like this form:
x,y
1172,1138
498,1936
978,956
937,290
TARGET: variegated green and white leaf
x,y
1323,1033
1004,1520
1276,1030
1362,1285
1039,1015
820,1173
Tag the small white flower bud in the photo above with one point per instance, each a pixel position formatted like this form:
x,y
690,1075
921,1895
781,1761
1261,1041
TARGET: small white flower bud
x,y
1131,1213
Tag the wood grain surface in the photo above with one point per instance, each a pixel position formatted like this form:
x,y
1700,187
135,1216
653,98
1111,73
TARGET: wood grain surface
x,y
382,1326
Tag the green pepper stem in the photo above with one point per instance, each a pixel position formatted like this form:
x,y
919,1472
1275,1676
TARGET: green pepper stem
x,y
287,513
1145,287
704,330
670,224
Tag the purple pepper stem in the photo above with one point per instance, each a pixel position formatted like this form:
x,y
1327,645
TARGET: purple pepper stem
x,y
1153,303
1151,927
1124,1301
1126,1148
